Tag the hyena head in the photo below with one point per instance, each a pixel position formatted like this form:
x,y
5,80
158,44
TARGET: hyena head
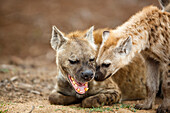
x,y
75,57
112,55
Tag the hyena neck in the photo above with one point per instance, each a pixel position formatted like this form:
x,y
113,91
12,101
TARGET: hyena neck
x,y
140,28
57,64
60,76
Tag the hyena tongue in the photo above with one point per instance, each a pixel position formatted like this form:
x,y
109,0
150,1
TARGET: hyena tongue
x,y
80,88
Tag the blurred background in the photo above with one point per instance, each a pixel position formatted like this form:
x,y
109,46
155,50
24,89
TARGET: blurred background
x,y
25,25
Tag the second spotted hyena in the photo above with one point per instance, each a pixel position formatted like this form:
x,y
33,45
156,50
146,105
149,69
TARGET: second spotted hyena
x,y
148,33
75,59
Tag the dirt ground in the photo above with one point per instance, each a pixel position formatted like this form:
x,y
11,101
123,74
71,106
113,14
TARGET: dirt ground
x,y
27,62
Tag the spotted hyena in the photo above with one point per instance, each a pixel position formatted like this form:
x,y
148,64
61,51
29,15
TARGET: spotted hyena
x,y
148,33
75,59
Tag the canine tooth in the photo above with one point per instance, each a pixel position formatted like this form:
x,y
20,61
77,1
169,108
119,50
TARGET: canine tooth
x,y
86,89
78,90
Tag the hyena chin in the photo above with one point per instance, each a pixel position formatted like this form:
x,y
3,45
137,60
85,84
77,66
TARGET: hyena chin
x,y
75,59
148,33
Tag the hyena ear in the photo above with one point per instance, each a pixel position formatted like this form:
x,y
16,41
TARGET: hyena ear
x,y
165,5
90,38
125,47
105,36
57,38
89,35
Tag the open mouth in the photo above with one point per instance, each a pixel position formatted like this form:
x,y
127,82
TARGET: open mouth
x,y
80,88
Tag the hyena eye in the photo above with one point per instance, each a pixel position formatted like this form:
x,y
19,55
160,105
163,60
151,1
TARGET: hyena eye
x,y
73,62
105,65
92,59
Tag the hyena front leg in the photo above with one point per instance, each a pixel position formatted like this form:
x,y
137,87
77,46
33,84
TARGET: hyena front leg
x,y
152,83
102,99
60,99
165,106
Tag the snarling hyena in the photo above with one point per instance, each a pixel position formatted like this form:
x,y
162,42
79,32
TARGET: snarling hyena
x,y
75,59
148,33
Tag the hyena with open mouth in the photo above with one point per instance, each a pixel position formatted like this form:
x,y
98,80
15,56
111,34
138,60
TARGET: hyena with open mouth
x,y
75,59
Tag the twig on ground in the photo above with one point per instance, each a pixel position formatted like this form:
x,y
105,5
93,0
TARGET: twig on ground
x,y
33,107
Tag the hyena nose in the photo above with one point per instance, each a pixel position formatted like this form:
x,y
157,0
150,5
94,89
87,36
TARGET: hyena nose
x,y
97,68
87,75
99,76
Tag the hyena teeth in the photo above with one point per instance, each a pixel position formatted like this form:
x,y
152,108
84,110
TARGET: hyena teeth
x,y
86,89
78,90
72,78
74,82
76,85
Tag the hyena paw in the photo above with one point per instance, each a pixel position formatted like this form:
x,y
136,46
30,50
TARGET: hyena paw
x,y
143,106
162,109
90,102
54,99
